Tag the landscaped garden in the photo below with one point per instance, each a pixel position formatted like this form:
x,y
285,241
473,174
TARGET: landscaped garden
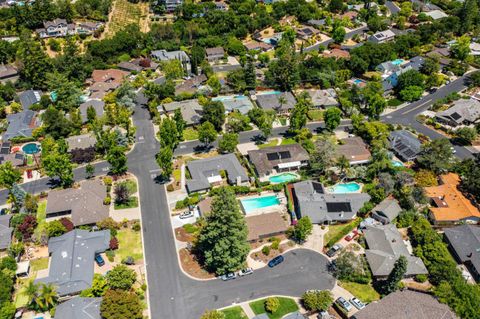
x,y
124,194
190,134
285,306
336,232
364,292
234,313
129,245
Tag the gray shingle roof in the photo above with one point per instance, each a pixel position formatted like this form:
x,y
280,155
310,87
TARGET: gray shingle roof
x,y
385,246
312,200
20,124
266,159
81,141
191,110
465,241
462,111
201,170
406,305
163,55
28,98
387,210
5,231
79,308
405,144
97,105
239,103
271,101
72,259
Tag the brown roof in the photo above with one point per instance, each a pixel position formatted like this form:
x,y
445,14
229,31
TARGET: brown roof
x,y
354,149
215,51
108,76
267,158
191,85
349,14
265,225
406,304
84,203
255,45
452,204
7,71
337,54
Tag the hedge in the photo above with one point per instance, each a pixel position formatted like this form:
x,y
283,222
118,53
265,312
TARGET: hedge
x,y
191,200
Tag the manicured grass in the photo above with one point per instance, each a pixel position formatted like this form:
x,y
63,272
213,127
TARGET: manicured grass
x,y
273,142
364,292
315,115
336,230
39,264
132,203
287,306
41,216
234,313
129,244
190,134
288,141
177,175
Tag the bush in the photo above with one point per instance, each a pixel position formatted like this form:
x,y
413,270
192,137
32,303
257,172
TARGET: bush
x,y
110,255
121,277
193,199
317,300
55,229
108,181
113,243
136,226
421,278
170,188
275,243
107,200
272,304
189,228
266,250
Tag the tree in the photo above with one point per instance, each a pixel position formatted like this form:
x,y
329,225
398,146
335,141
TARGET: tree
x,y
47,297
117,160
342,163
298,117
332,117
214,83
9,175
121,277
118,304
122,193
89,170
283,73
250,76
59,165
228,142
66,93
272,304
7,310
335,6
214,112
223,240
461,49
338,34
375,23
55,228
207,133
317,300
396,275
55,123
164,161
302,229
436,156
180,123
98,289
168,133
213,314
411,93
352,267
35,62
410,78
323,157
91,114
466,134
172,69
430,66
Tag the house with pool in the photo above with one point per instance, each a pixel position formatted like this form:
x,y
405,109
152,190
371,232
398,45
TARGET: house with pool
x,y
272,161
327,205
209,172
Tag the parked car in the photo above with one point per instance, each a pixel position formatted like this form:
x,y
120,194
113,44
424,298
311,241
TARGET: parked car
x,y
229,276
357,303
187,214
333,251
352,235
246,271
344,304
99,260
275,261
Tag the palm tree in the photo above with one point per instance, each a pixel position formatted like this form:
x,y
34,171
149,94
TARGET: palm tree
x,y
30,290
343,164
47,297
282,101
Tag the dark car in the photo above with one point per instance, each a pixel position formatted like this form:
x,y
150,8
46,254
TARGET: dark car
x,y
275,261
333,251
99,260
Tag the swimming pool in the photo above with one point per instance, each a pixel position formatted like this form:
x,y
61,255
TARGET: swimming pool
x,y
398,61
252,204
397,163
282,178
344,188
31,148
229,98
268,92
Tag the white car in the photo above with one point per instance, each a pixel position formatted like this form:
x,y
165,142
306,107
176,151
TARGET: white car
x,y
357,303
246,271
185,215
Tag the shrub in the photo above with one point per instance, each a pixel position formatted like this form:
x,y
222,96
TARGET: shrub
x,y
121,277
317,300
110,255
170,188
189,228
275,243
113,243
266,250
421,278
108,181
55,228
272,304
107,200
136,226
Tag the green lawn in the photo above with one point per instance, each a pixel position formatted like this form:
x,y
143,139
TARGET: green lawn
x,y
39,264
288,141
336,230
41,216
190,134
132,203
129,244
287,306
364,292
177,175
131,185
234,313
273,142
315,115
21,299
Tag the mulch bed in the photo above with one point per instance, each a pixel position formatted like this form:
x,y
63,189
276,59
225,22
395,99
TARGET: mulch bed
x,y
182,235
257,244
191,266
259,256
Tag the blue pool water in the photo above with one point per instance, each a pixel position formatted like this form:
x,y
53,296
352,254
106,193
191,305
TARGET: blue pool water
x,y
268,92
397,62
357,81
282,178
229,98
397,163
31,148
252,204
344,188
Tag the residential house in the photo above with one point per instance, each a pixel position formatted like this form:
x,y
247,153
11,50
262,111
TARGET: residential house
x,y
97,105
281,158
72,258
385,245
29,98
464,242
448,205
463,112
88,27
79,308
264,226
257,46
317,23
20,124
220,5
191,110
8,73
84,205
314,200
138,65
406,304
17,159
405,145
281,102
215,54
424,6
56,28
171,5
391,70
104,81
321,98
336,54
5,232
207,172
382,36
164,56
349,15
354,149
441,54
386,211
436,14
191,85
306,32
235,103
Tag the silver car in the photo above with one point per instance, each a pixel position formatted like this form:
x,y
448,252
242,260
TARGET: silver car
x,y
357,303
246,271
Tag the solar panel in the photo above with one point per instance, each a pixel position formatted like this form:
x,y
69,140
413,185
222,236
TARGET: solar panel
x,y
455,116
409,153
285,154
401,146
338,207
273,156
318,187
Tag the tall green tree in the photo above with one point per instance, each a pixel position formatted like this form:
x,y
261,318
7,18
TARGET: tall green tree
x,y
317,300
9,175
164,161
396,275
284,72
332,117
223,239
35,62
67,93
119,304
302,229
298,117
168,133
228,142
214,112
207,133
436,156
57,164
118,160
250,76
180,123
